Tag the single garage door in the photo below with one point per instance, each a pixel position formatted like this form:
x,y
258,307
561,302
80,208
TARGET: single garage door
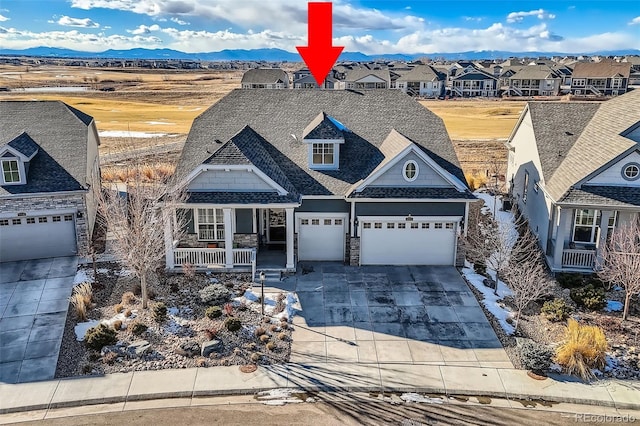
x,y
36,237
400,242
321,238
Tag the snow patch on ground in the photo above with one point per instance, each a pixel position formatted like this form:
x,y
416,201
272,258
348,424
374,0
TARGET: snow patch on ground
x,y
129,134
82,327
83,276
505,219
416,397
492,302
280,396
252,299
613,306
159,123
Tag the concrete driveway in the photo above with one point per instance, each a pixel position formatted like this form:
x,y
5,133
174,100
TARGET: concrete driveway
x,y
415,315
33,308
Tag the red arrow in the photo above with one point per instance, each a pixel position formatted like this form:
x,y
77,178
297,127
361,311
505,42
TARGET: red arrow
x,y
320,54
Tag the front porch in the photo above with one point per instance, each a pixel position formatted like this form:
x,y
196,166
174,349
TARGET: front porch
x,y
224,239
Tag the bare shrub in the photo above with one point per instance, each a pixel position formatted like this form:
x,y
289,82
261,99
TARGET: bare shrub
x,y
128,298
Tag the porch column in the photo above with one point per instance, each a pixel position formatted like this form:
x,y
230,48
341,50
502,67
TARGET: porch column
x,y
228,238
564,223
168,239
290,233
605,215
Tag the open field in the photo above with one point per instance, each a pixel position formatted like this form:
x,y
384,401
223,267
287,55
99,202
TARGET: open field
x,y
162,104
477,119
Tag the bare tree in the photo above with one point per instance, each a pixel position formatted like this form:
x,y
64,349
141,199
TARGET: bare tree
x,y
619,261
136,218
529,281
498,244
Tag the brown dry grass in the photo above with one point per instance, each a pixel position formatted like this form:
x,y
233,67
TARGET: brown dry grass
x,y
584,349
477,119
159,172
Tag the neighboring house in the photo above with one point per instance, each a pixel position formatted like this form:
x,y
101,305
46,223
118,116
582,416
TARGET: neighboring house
x,y
474,83
423,81
605,78
574,171
49,160
364,78
309,82
535,80
362,177
265,78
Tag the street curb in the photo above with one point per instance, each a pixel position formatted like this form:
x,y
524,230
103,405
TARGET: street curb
x,y
328,389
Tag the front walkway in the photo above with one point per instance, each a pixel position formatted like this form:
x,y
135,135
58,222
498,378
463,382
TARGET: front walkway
x,y
34,299
394,314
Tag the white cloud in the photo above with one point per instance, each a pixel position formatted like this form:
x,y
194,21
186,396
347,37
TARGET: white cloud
x,y
179,21
205,41
3,18
635,21
472,18
11,38
519,16
67,21
143,29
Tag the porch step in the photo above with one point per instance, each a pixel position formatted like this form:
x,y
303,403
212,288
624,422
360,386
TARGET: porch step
x,y
270,275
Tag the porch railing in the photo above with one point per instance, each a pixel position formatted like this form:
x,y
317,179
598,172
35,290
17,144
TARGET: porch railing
x,y
578,258
212,257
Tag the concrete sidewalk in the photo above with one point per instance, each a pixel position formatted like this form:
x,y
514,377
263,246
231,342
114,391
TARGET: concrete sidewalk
x,y
507,384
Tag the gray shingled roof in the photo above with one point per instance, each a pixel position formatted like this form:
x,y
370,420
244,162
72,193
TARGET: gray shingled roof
x,y
421,73
599,143
557,126
534,72
24,145
265,76
359,73
60,131
619,196
240,198
604,69
475,75
412,192
322,128
277,115
247,147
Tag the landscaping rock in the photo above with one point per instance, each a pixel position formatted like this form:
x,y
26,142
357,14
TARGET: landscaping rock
x,y
116,349
188,349
138,348
211,346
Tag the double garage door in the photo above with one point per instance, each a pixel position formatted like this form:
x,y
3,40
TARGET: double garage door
x,y
400,242
36,237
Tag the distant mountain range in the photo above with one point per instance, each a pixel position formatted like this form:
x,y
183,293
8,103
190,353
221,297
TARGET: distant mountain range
x,y
278,55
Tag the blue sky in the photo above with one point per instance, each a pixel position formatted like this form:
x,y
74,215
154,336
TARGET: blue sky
x,y
372,27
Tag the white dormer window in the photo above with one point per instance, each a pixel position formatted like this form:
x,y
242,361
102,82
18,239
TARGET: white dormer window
x,y
410,171
323,154
10,171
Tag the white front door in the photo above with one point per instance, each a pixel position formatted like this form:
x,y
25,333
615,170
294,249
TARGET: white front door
x,y
400,242
321,237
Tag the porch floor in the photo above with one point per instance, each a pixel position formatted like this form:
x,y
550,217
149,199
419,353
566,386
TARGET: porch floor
x,y
271,257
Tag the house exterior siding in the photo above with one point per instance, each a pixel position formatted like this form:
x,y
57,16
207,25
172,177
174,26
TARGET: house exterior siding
x,y
395,175
323,206
232,180
414,209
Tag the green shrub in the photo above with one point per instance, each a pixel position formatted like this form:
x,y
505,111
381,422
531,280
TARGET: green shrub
x,y
569,280
589,296
480,268
215,294
137,328
100,336
159,312
213,312
233,324
535,357
556,310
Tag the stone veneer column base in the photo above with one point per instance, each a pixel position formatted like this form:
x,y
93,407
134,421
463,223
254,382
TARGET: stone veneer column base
x,y
354,251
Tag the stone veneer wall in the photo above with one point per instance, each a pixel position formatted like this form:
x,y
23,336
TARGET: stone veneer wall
x,y
47,204
245,240
354,251
460,254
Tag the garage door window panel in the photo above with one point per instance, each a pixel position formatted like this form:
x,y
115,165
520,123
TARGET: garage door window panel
x,y
4,222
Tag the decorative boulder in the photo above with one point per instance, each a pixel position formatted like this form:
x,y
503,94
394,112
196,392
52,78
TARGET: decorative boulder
x,y
138,348
189,349
211,346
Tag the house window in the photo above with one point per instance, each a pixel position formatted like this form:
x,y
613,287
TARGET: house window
x,y
586,226
526,186
323,153
10,171
578,81
210,224
631,171
410,171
